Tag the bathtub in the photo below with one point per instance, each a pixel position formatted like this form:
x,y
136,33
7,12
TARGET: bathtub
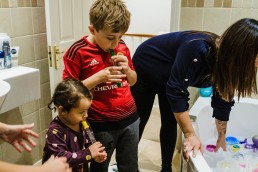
x,y
243,124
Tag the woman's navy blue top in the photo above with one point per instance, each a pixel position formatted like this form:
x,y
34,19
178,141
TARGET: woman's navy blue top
x,y
179,60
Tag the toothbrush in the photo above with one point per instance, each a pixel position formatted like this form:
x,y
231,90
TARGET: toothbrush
x,y
112,52
88,131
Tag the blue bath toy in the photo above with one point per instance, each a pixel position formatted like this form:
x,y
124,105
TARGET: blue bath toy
x,y
232,140
243,142
206,92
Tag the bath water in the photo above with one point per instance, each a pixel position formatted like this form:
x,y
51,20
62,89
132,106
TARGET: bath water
x,y
237,158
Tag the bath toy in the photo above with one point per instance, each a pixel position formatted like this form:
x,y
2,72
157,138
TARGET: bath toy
x,y
255,170
249,146
232,140
210,148
255,140
206,92
235,148
243,142
238,156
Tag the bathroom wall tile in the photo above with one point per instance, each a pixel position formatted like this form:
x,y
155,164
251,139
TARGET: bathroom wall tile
x,y
237,3
6,24
191,19
39,20
27,3
21,21
216,20
45,94
11,155
43,138
208,3
27,52
42,65
33,156
255,4
34,3
45,117
184,3
13,3
40,46
199,3
218,3
191,3
247,3
5,3
227,3
243,13
33,118
12,117
29,108
41,3
20,3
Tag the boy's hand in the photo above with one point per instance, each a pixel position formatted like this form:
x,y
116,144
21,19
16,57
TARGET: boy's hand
x,y
110,74
122,61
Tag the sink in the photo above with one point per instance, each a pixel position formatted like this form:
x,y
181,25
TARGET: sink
x,y
24,86
4,89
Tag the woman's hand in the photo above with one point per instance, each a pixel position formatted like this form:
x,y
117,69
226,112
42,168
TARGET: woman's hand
x,y
18,136
221,143
191,143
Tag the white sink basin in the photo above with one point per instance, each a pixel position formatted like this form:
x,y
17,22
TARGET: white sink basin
x,y
4,89
25,86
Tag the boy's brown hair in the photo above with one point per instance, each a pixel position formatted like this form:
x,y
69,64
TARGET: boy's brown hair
x,y
110,14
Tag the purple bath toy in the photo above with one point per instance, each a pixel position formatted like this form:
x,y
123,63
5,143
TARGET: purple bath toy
x,y
255,140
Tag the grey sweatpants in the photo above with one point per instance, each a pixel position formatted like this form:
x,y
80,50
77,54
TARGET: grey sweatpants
x,y
125,142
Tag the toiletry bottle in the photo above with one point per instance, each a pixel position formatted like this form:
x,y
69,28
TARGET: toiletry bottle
x,y
7,55
88,131
2,60
112,52
3,37
14,55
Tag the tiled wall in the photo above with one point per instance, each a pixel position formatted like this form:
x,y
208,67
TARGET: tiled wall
x,y
214,16
24,22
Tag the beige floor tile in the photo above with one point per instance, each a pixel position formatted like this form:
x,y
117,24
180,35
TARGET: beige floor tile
x,y
149,147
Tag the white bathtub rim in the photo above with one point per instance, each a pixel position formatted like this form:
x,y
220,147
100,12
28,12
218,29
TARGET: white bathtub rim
x,y
203,102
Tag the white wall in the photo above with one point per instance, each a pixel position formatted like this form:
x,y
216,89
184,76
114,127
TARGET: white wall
x,y
149,16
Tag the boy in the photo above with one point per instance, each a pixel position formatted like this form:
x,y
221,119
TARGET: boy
x,y
101,60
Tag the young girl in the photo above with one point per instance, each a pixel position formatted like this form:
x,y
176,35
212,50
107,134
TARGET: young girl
x,y
66,135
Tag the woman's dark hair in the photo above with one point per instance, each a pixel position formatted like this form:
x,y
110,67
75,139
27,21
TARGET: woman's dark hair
x,y
235,71
68,93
